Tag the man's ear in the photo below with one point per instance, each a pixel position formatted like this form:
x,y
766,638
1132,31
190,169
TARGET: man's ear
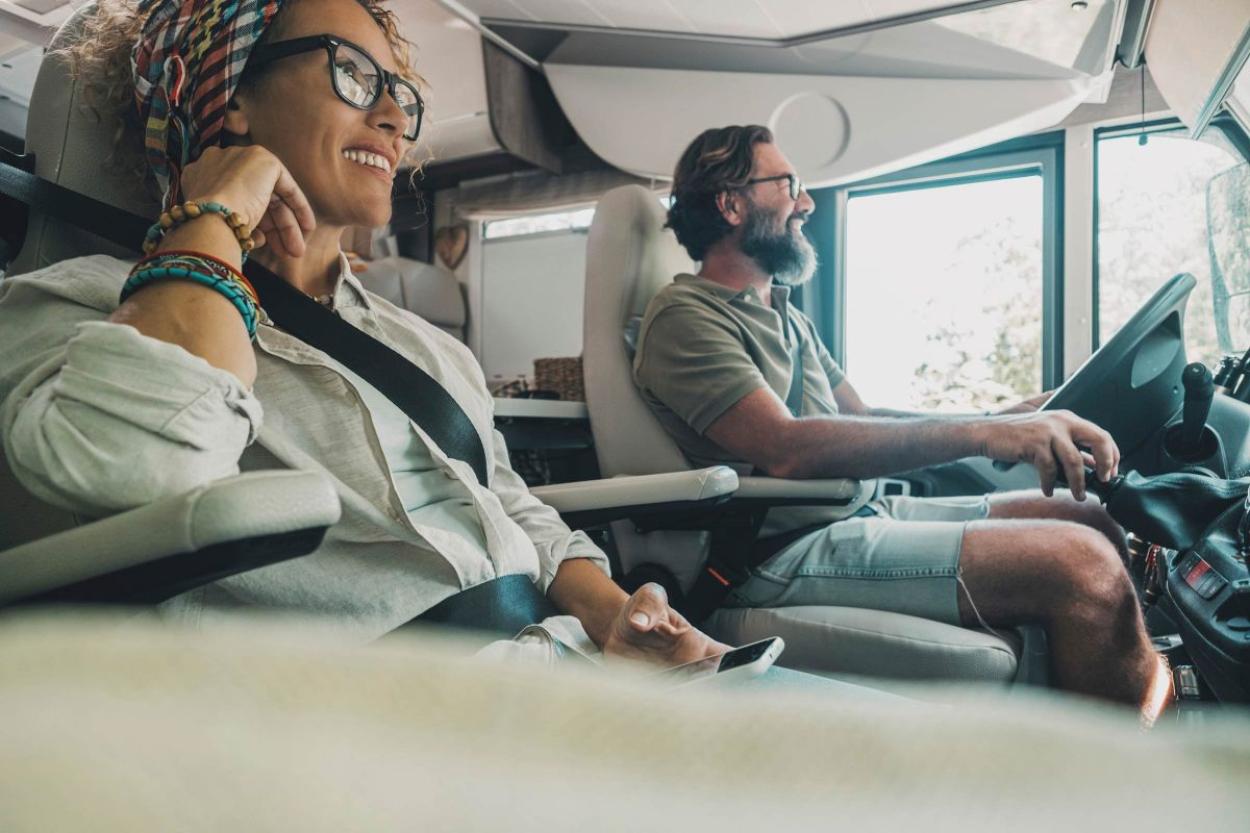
x,y
731,208
236,124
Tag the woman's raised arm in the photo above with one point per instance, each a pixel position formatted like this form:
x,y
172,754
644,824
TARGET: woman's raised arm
x,y
251,182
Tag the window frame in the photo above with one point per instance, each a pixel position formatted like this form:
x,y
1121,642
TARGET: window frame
x,y
1043,154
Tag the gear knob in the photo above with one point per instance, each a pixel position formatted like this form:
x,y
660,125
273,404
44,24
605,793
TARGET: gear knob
x,y
1199,389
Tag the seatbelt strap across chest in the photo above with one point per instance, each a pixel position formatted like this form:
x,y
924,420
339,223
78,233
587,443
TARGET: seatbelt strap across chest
x,y
411,389
794,397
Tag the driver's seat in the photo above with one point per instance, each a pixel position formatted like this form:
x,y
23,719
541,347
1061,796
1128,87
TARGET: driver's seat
x,y
629,258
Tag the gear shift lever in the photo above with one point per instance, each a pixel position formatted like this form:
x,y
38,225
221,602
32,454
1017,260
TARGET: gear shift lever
x,y
1169,509
1199,389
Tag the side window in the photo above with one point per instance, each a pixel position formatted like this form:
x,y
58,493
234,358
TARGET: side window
x,y
944,293
1169,204
539,224
532,287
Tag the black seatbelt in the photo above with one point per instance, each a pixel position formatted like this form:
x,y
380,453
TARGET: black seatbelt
x,y
419,395
794,397
415,392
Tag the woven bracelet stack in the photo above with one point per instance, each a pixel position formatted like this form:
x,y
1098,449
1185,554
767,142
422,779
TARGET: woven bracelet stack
x,y
197,267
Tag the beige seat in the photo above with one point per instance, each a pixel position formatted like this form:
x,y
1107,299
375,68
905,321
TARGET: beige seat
x,y
430,291
630,257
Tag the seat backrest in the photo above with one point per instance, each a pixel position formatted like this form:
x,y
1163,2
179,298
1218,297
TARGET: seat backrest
x,y
430,291
72,146
630,257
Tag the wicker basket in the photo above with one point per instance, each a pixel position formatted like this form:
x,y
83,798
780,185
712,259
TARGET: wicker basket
x,y
564,376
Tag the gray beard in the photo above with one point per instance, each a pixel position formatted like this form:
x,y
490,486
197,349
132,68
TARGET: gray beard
x,y
788,257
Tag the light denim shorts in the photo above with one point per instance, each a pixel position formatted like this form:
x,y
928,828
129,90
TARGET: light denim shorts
x,y
903,559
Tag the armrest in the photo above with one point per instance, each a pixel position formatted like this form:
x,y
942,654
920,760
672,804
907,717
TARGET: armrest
x,y
590,502
779,492
219,529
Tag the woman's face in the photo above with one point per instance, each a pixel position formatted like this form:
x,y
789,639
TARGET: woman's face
x,y
292,110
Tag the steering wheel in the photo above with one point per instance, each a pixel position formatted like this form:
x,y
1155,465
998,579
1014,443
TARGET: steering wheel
x,y
1131,386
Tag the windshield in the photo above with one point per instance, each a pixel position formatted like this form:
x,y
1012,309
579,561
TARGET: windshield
x,y
1167,204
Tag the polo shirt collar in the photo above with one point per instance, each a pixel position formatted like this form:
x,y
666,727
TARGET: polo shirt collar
x,y
780,292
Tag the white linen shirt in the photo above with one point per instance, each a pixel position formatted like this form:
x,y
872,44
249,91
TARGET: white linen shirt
x,y
98,418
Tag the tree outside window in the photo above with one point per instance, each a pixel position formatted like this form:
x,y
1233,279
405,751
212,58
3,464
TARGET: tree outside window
x,y
1171,205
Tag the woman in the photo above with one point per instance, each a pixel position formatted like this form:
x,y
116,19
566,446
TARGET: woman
x,y
127,383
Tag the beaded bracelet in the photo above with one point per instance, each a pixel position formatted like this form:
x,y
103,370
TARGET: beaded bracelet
x,y
232,290
179,214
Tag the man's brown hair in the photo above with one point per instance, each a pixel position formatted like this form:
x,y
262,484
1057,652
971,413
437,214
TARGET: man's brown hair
x,y
718,160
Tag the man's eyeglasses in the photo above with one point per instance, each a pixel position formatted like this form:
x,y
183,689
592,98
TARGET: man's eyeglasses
x,y
357,78
796,184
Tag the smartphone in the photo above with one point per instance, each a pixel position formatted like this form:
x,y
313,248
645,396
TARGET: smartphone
x,y
732,666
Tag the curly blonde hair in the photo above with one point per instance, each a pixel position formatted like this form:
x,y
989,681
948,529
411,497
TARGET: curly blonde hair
x,y
99,61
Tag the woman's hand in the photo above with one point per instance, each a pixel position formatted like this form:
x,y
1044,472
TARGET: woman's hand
x,y
647,629
252,182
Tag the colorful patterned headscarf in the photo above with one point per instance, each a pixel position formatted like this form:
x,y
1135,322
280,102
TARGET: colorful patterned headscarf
x,y
186,66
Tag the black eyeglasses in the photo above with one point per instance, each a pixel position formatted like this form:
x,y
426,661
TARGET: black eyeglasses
x,y
357,78
796,184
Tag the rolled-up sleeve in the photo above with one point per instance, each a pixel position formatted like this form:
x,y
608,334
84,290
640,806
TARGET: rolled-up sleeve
x,y
116,419
551,537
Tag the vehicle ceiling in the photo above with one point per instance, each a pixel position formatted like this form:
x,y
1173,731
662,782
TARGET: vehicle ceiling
x,y
839,71
638,78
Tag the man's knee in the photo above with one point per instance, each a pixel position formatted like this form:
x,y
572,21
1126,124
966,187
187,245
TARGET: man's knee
x,y
1061,507
1093,515
1085,576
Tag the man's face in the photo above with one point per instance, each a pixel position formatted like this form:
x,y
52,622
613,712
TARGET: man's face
x,y
771,232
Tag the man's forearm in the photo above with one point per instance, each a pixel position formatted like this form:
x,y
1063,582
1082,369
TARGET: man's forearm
x,y
890,412
580,589
875,446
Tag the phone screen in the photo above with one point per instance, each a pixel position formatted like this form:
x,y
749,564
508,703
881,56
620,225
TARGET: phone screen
x,y
745,655
736,658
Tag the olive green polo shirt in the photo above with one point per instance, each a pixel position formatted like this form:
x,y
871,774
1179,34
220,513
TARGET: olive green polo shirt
x,y
703,346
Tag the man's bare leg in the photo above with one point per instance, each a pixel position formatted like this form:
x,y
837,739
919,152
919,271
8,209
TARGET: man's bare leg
x,y
1062,507
1069,578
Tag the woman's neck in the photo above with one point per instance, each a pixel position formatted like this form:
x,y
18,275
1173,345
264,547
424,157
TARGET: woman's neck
x,y
314,273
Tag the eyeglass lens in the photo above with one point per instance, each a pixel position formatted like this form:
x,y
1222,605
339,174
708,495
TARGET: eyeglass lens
x,y
359,80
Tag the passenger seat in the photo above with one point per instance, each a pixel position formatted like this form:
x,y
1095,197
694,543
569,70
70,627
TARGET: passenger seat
x,y
432,292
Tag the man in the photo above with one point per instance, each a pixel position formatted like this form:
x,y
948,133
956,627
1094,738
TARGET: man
x,y
739,377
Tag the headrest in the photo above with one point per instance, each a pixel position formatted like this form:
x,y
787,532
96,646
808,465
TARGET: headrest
x,y
630,231
72,146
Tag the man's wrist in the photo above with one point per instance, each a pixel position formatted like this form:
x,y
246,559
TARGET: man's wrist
x,y
975,435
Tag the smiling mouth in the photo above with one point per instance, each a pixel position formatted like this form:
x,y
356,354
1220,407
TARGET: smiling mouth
x,y
369,160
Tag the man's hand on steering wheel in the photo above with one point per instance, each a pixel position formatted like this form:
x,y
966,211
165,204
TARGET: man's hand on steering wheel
x,y
1053,441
